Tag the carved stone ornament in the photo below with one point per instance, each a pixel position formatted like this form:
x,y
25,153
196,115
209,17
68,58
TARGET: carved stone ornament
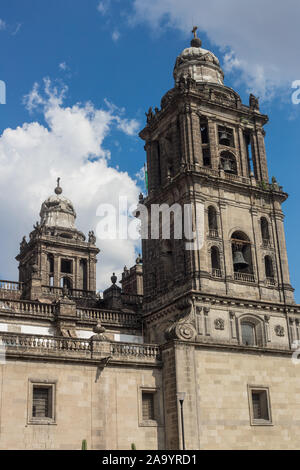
x,y
279,330
219,324
92,238
181,331
100,333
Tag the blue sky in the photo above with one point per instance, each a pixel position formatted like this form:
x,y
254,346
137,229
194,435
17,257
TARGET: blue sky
x,y
118,56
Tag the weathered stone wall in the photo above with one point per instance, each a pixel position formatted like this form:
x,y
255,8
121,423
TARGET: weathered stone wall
x,y
216,408
102,406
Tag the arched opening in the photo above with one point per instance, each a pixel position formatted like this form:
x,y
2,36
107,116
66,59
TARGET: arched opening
x,y
66,282
228,163
252,331
242,257
265,233
212,222
269,270
215,262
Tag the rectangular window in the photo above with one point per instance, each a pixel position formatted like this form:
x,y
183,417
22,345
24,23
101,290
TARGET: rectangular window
x,y
148,406
41,403
226,136
260,406
66,266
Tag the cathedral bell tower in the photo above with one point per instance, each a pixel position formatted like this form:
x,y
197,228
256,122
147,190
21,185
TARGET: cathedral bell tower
x,y
57,256
205,147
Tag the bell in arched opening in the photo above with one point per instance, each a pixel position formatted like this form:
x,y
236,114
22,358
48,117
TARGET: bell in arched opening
x,y
239,261
225,138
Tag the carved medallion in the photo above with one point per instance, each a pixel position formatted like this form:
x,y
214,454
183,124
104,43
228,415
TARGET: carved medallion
x,y
219,324
279,330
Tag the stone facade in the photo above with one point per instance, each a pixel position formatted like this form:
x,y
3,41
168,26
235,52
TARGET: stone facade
x,y
218,324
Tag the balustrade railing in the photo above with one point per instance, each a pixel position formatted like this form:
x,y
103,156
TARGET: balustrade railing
x,y
45,342
217,273
270,281
11,286
244,277
134,350
26,307
213,233
75,293
106,316
48,344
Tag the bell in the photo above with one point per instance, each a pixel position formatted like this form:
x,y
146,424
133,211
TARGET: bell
x,y
224,138
239,261
227,166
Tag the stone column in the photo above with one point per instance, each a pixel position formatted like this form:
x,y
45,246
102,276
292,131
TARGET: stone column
x,y
262,154
56,280
243,153
197,141
213,143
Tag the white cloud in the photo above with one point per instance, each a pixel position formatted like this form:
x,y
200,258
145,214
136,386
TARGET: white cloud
x,y
2,25
115,36
70,145
17,29
262,37
63,66
103,6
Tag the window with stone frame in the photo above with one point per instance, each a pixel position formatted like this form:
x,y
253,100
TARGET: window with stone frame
x,y
252,331
259,401
41,403
148,406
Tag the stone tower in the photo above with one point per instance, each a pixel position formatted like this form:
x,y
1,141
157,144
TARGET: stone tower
x,y
57,255
204,147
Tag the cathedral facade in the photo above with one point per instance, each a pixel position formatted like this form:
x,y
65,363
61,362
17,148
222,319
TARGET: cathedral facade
x,y
197,349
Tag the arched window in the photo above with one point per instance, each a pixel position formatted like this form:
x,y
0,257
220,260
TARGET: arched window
x,y
252,331
265,234
215,262
242,257
212,222
228,163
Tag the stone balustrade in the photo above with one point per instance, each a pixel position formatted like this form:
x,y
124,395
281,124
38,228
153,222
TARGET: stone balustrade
x,y
73,293
109,317
13,344
135,350
11,285
26,307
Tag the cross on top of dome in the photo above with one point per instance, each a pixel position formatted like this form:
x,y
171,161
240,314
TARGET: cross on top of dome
x,y
195,42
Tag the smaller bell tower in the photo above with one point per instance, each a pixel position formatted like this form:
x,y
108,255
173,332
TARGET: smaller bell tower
x,y
57,255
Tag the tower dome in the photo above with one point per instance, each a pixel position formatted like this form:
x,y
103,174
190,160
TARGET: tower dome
x,y
198,63
58,211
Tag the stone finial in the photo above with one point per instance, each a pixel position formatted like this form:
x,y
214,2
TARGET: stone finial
x,y
139,259
114,279
99,331
92,237
195,42
58,190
